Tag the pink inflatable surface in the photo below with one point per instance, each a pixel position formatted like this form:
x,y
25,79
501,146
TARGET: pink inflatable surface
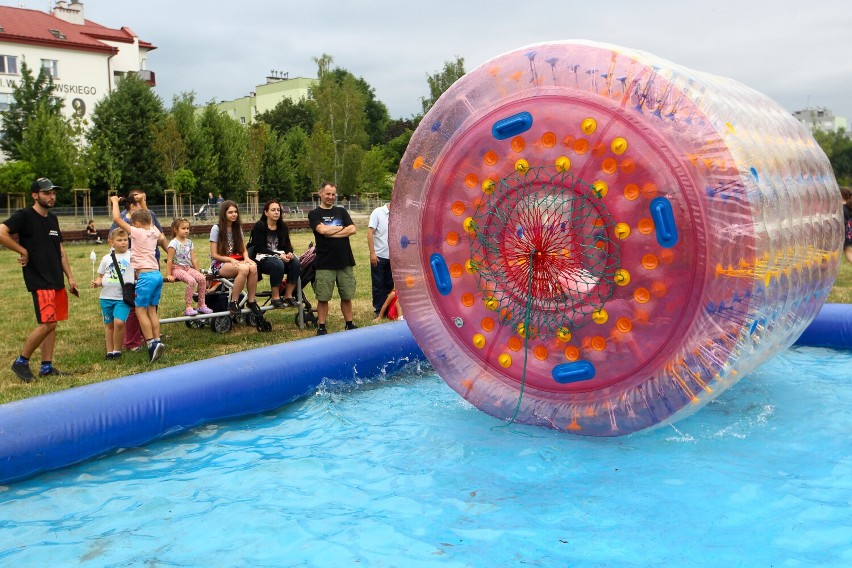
x,y
596,240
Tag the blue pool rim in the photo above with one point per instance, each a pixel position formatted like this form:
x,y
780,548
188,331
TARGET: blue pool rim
x,y
60,429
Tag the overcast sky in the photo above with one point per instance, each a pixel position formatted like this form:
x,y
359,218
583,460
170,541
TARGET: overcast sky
x,y
799,53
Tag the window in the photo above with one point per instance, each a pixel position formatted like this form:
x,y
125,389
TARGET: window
x,y
9,64
51,67
5,100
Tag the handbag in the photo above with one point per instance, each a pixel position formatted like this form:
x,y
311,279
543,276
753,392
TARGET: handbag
x,y
128,289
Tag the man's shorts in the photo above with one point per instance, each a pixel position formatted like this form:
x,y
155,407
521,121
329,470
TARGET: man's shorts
x,y
114,310
343,277
149,287
50,305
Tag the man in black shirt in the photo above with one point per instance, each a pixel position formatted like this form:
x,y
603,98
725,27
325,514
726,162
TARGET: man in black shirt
x,y
45,266
332,228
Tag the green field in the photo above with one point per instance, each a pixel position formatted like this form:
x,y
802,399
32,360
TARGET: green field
x,y
80,341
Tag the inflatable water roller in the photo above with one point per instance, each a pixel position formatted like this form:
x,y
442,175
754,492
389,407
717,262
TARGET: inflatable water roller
x,y
593,239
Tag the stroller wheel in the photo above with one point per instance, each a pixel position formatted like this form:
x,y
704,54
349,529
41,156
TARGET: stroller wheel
x,y
221,324
254,320
194,324
263,325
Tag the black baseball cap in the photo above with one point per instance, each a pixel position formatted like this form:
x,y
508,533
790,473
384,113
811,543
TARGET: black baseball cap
x,y
43,184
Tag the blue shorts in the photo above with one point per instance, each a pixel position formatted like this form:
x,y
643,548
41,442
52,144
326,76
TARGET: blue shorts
x,y
149,286
114,310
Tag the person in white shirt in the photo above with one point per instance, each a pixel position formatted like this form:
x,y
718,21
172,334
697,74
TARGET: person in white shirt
x,y
380,268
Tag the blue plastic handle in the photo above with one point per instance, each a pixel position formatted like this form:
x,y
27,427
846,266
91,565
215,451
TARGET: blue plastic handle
x,y
512,125
664,222
441,274
573,372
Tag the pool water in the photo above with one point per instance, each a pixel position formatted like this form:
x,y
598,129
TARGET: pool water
x,y
403,472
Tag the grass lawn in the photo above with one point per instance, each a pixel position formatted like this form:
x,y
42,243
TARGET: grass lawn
x,y
81,346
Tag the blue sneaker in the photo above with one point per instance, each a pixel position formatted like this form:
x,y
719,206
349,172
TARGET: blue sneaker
x,y
22,370
155,351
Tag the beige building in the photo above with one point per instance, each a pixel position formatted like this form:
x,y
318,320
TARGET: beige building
x,y
84,58
278,86
821,119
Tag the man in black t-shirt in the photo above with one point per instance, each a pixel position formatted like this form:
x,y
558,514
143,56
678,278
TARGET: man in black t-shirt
x,y
45,266
332,228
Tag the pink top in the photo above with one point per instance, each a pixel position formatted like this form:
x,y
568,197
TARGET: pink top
x,y
144,248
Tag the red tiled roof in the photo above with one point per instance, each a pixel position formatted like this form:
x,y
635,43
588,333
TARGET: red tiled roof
x,y
21,25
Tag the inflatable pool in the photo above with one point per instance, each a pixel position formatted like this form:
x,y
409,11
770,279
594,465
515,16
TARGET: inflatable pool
x,y
596,240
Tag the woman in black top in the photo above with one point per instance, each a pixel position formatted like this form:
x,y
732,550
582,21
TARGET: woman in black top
x,y
270,247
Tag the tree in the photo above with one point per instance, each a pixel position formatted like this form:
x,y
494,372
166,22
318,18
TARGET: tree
x,y
375,111
838,147
442,80
48,147
16,177
374,176
28,95
257,140
199,148
227,139
287,115
123,134
170,147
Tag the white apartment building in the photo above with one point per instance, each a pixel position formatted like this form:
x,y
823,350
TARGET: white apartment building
x,y
821,119
84,58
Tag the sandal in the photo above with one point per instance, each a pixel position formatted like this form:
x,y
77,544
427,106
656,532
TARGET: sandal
x,y
277,302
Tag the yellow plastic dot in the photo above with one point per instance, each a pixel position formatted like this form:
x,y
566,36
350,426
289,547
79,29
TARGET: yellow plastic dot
x,y
471,180
479,340
650,261
600,316
622,230
521,329
490,158
488,186
563,164
505,360
458,208
456,270
409,281
418,162
469,225
470,266
631,191
730,128
581,146
548,139
515,344
452,238
518,144
563,334
522,166
467,299
609,166
491,304
600,188
589,125
598,343
487,324
618,146
572,353
540,352
641,295
646,226
624,325
622,277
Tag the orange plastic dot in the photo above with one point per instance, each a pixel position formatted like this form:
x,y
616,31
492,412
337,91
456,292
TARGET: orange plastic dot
x,y
641,295
515,343
471,180
598,150
589,125
631,191
650,261
568,141
598,343
467,299
642,316
618,145
624,325
490,158
505,360
458,208
581,146
628,166
418,162
658,289
518,144
563,164
487,324
649,190
572,353
599,222
666,256
479,340
522,166
409,281
609,166
646,226
452,238
540,352
456,270
548,139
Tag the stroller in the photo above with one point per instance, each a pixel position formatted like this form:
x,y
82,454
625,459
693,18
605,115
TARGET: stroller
x,y
204,212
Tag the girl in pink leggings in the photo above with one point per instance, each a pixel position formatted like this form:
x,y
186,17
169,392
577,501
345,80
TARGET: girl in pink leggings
x,y
182,265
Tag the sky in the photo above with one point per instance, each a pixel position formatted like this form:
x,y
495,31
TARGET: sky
x,y
798,53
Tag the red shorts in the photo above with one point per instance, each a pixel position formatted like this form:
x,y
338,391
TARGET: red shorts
x,y
50,305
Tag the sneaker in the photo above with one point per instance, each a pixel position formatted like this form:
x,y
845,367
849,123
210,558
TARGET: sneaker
x,y
255,309
190,312
112,355
53,372
204,310
155,351
291,302
277,302
321,331
23,371
233,308
351,325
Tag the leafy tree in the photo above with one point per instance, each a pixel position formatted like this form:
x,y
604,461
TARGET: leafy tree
x,y
16,177
285,173
170,147
123,133
838,147
48,148
318,160
257,140
440,81
374,176
376,113
227,139
287,115
199,148
28,95
184,180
